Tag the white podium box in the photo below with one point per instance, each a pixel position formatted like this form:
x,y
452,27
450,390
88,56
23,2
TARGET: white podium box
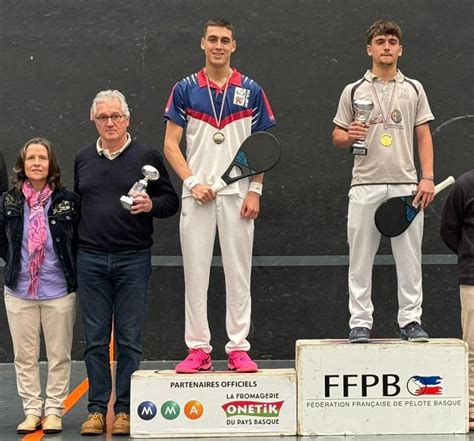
x,y
215,403
382,387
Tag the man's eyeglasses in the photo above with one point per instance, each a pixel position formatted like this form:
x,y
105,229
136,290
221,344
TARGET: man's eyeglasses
x,y
102,119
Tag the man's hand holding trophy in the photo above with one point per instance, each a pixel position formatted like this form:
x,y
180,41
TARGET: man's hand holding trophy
x,y
137,199
358,129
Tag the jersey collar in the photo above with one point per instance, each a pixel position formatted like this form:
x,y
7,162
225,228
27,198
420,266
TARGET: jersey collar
x,y
235,79
370,77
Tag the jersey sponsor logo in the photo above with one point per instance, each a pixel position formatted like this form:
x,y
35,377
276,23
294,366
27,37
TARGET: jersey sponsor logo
x,y
241,97
376,119
403,93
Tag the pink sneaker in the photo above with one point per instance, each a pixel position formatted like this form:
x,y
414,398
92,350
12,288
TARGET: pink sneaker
x,y
197,360
241,362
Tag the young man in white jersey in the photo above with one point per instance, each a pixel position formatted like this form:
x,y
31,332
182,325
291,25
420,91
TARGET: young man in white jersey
x,y
217,108
385,169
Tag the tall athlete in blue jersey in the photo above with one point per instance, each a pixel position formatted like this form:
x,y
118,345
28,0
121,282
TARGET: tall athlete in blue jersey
x,y
217,108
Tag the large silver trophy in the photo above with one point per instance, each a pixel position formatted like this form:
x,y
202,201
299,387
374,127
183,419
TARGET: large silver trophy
x,y
151,174
362,110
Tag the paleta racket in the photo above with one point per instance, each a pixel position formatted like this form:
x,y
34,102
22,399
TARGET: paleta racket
x,y
395,215
259,153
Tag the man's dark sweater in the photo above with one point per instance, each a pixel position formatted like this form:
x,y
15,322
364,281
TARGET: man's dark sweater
x,y
457,225
105,225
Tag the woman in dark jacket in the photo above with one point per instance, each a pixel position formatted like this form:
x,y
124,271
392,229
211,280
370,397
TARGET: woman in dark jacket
x,y
38,219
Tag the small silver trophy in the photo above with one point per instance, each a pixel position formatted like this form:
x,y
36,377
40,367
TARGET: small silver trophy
x,y
362,110
151,174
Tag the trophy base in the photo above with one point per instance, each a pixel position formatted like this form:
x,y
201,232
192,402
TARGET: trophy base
x,y
127,202
360,151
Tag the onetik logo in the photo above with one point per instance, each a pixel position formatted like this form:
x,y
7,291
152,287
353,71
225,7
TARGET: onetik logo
x,y
418,385
170,410
146,410
252,408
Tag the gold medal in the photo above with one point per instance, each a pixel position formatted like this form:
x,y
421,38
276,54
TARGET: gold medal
x,y
386,140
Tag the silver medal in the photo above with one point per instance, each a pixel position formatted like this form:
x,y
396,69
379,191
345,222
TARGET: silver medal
x,y
218,137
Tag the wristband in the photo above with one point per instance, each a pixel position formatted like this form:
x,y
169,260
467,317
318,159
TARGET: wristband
x,y
428,178
256,187
190,182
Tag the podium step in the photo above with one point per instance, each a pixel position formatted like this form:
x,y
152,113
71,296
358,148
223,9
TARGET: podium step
x,y
215,403
382,387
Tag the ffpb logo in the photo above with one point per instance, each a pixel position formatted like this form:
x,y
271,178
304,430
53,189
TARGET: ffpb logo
x,y
146,410
418,385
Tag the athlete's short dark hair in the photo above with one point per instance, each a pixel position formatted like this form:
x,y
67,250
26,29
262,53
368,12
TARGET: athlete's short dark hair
x,y
220,22
384,27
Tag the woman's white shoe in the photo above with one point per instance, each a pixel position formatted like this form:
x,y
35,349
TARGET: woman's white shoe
x,y
29,425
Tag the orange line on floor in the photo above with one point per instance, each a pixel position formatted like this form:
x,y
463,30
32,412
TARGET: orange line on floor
x,y
109,420
77,394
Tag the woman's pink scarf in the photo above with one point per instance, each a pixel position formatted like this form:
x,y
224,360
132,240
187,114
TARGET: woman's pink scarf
x,y
37,233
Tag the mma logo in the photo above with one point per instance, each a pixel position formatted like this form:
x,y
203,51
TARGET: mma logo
x,y
146,410
193,409
170,410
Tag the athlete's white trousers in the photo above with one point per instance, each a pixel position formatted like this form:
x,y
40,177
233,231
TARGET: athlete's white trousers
x,y
198,231
364,240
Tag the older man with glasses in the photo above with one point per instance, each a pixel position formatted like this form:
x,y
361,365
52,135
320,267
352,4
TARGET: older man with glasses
x,y
114,258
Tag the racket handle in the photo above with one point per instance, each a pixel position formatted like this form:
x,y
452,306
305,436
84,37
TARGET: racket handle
x,y
444,184
218,185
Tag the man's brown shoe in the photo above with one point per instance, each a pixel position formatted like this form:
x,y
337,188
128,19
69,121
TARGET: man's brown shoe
x,y
94,425
121,424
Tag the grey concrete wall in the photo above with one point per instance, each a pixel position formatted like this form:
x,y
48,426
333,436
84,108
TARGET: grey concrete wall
x,y
56,54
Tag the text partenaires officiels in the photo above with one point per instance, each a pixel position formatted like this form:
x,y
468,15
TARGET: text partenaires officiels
x,y
215,384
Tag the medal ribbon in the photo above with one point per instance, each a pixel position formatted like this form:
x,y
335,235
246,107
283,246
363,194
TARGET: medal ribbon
x,y
387,118
218,121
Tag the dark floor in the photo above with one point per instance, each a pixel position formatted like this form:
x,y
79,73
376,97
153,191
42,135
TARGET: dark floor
x,y
11,413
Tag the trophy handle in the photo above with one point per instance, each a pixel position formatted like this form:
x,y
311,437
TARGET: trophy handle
x,y
150,173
